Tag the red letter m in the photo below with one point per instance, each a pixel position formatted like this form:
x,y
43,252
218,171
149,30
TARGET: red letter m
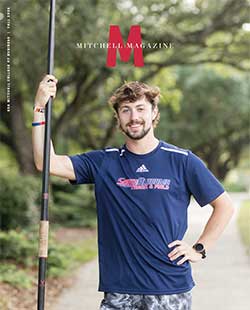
x,y
116,42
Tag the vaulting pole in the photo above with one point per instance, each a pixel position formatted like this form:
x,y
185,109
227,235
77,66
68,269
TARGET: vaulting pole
x,y
44,220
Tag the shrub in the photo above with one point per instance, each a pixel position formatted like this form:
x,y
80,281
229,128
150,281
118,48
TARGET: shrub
x,y
73,206
19,254
19,246
18,196
9,273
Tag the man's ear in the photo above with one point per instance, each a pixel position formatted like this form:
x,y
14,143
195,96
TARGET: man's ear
x,y
116,116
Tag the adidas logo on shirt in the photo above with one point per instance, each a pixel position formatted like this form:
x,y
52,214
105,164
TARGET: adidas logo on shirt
x,y
142,168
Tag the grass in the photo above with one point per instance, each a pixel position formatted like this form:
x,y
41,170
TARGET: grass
x,y
18,279
62,259
86,251
244,225
67,257
9,273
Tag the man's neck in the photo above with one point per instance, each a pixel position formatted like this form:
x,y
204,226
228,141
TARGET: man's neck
x,y
142,146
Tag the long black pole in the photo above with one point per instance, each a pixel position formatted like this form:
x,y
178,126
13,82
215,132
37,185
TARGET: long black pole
x,y
44,220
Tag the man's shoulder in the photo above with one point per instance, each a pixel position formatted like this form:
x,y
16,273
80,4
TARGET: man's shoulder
x,y
173,149
100,153
111,151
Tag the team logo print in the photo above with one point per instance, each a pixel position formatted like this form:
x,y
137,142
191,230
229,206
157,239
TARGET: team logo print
x,y
144,183
142,168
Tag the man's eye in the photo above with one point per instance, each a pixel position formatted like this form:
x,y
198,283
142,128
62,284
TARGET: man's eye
x,y
125,110
140,109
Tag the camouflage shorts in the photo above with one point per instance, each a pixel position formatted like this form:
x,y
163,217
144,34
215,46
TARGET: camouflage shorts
x,y
181,301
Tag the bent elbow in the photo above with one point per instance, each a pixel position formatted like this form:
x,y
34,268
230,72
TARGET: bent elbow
x,y
39,167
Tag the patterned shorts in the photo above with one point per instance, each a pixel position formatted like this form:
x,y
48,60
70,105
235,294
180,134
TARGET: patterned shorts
x,y
181,301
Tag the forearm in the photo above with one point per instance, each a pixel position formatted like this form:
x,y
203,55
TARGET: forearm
x,y
216,224
46,90
38,140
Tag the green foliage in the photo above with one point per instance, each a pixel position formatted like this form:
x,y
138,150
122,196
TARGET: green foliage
x,y
63,258
213,119
244,224
7,159
69,205
196,29
74,206
18,195
59,259
85,252
9,273
21,248
235,187
171,94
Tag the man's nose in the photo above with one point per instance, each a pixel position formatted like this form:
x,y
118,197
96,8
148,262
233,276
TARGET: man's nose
x,y
134,115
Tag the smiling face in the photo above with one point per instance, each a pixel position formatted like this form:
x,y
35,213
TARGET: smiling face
x,y
136,118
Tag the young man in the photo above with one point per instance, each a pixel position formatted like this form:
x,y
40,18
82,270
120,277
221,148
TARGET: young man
x,y
142,193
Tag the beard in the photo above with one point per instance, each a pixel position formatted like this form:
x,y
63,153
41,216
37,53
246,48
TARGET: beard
x,y
137,135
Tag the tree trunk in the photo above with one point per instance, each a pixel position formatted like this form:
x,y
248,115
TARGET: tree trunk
x,y
21,138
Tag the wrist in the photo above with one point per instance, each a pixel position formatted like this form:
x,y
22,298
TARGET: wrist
x,y
199,248
37,116
38,109
35,124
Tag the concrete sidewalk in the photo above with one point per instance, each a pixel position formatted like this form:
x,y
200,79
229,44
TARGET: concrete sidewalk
x,y
222,279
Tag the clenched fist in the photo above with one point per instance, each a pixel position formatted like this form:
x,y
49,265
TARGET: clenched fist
x,y
46,89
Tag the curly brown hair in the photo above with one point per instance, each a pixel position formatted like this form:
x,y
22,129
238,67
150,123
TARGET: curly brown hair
x,y
133,91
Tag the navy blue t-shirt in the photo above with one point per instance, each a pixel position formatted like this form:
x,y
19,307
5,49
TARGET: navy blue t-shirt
x,y
142,203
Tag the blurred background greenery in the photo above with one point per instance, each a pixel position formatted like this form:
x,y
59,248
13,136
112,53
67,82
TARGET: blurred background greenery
x,y
204,81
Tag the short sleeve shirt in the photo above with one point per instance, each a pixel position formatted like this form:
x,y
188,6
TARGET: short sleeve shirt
x,y
142,202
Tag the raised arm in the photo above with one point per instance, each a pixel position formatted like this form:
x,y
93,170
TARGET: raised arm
x,y
60,165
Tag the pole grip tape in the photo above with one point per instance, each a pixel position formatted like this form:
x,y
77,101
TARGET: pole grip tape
x,y
43,239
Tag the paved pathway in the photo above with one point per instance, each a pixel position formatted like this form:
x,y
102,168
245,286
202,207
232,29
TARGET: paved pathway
x,y
222,279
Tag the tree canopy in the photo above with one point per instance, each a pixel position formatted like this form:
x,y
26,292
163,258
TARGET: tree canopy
x,y
200,31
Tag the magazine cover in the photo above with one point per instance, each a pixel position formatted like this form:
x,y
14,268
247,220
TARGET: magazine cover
x,y
124,154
